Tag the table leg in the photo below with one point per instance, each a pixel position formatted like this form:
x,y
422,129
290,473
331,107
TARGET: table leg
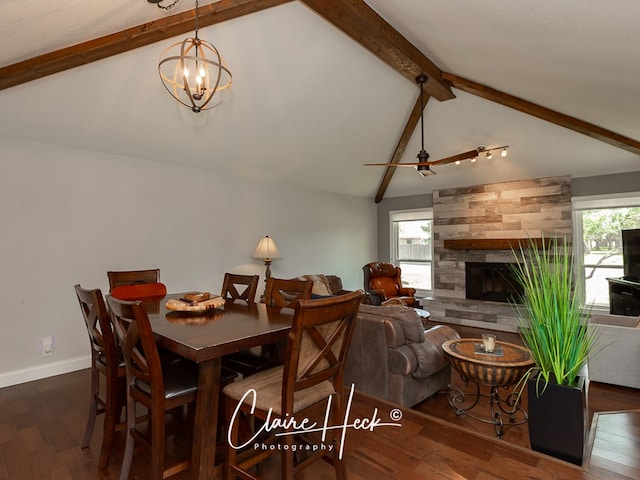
x,y
203,454
509,405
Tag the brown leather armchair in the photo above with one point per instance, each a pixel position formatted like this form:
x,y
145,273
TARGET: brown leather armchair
x,y
382,282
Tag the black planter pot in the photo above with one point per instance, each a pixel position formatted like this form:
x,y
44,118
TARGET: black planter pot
x,y
558,420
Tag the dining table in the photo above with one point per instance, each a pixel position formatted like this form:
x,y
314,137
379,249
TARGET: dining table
x,y
205,337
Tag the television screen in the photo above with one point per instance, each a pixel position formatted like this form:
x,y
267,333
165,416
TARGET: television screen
x,y
631,254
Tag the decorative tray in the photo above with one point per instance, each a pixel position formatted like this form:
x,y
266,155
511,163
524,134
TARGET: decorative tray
x,y
479,348
185,305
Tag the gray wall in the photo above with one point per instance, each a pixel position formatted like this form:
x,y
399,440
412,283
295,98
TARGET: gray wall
x,y
69,216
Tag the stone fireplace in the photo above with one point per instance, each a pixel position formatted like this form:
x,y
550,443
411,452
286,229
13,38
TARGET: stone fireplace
x,y
482,224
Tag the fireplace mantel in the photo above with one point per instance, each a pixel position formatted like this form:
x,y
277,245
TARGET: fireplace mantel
x,y
492,243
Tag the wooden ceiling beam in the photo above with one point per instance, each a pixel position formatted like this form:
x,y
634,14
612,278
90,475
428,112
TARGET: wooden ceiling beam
x,y
359,21
129,39
572,123
409,128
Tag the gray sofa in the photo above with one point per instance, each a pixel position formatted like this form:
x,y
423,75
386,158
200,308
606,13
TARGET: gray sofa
x,y
617,357
392,356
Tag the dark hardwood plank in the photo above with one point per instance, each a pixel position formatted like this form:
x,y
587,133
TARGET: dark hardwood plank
x,y
42,423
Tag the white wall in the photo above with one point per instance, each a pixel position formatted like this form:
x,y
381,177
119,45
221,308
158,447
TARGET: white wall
x,y
68,216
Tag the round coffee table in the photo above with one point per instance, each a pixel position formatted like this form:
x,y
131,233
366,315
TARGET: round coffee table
x,y
502,368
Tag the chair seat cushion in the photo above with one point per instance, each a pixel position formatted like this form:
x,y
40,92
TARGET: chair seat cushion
x,y
103,360
138,291
268,387
180,378
247,362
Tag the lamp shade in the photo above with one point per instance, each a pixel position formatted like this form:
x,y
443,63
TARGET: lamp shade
x,y
266,249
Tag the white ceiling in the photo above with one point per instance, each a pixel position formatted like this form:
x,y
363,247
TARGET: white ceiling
x,y
309,106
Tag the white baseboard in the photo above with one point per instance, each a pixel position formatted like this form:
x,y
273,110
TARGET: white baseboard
x,y
51,369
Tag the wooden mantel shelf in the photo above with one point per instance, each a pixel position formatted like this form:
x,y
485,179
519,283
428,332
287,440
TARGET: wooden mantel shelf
x,y
491,243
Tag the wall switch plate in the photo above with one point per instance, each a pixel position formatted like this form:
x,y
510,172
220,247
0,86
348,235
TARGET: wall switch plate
x,y
47,346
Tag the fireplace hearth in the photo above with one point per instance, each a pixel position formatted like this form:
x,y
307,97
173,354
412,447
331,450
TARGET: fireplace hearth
x,y
490,281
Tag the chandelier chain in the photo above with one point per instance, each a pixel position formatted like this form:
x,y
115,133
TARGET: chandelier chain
x,y
197,23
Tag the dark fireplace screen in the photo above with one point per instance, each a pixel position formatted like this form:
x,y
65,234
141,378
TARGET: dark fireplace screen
x,y
493,282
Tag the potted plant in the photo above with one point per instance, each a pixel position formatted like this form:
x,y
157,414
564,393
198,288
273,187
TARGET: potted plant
x,y
553,327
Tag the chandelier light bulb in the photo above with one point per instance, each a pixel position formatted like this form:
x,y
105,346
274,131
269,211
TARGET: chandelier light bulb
x,y
503,153
457,162
473,160
489,156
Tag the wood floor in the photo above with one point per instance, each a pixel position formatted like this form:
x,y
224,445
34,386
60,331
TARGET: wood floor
x,y
42,422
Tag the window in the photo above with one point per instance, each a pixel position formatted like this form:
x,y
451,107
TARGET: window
x,y
598,223
412,247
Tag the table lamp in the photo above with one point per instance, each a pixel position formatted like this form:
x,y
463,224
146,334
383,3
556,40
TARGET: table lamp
x,y
266,251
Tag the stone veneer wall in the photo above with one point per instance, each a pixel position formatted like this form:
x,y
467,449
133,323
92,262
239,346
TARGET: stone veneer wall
x,y
517,209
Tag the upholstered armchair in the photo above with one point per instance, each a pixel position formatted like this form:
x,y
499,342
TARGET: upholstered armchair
x,y
382,281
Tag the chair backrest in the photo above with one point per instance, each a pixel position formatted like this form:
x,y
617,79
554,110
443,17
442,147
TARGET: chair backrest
x,y
233,281
283,293
137,342
96,319
382,276
132,277
318,344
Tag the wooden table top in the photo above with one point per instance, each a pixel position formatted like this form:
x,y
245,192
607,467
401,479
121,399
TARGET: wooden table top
x,y
201,336
512,355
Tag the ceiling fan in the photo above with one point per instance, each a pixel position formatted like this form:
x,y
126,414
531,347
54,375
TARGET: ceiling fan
x,y
423,165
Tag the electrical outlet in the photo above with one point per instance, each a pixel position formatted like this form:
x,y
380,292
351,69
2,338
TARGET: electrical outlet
x,y
47,346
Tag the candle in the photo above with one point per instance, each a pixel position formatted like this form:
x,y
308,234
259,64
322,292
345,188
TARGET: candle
x,y
488,342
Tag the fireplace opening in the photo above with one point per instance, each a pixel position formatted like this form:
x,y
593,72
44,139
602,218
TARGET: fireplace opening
x,y
494,282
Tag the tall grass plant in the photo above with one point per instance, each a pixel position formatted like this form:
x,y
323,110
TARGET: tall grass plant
x,y
550,315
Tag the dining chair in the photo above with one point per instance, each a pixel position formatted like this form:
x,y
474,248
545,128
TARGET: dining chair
x,y
132,277
158,387
313,373
236,287
283,293
240,287
105,361
136,284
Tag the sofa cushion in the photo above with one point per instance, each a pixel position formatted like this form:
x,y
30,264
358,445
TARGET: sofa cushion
x,y
404,319
430,355
430,359
321,286
402,360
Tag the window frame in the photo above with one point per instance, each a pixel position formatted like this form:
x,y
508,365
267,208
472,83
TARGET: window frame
x,y
595,202
410,215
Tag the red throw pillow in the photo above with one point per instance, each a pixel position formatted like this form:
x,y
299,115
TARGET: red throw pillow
x,y
139,290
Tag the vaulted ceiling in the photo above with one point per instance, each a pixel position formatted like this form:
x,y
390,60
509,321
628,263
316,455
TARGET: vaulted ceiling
x,y
322,87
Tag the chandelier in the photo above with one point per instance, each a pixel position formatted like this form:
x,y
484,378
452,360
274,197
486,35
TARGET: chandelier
x,y
193,72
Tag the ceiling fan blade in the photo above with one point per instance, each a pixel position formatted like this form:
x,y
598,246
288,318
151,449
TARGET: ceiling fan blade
x,y
454,158
414,164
